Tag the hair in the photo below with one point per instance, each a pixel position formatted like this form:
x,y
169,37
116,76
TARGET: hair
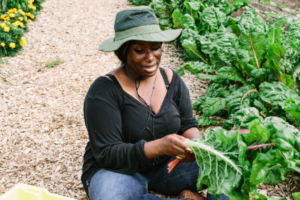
x,y
121,53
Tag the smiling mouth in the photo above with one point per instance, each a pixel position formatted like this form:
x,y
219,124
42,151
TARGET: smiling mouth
x,y
150,66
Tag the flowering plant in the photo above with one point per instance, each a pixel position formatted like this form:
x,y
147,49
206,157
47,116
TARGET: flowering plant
x,y
14,19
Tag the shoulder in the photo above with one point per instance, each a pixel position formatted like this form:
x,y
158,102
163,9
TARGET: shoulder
x,y
170,73
102,86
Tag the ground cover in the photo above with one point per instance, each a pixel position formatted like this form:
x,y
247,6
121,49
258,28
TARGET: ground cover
x,y
42,132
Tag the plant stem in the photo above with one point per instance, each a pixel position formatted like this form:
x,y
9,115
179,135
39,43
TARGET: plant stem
x,y
261,145
213,151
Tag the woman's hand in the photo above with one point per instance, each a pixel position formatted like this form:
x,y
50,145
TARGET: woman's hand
x,y
173,145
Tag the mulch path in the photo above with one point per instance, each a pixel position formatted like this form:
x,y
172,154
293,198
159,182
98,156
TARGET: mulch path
x,y
42,131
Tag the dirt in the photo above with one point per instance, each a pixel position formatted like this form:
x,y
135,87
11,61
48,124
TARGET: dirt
x,y
42,131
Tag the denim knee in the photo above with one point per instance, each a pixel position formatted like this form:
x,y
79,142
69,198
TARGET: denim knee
x,y
108,185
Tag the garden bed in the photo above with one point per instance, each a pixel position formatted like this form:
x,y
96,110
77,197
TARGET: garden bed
x,y
42,131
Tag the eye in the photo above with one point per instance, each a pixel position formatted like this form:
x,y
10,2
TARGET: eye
x,y
156,48
139,51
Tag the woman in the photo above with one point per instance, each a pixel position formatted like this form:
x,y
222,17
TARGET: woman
x,y
137,117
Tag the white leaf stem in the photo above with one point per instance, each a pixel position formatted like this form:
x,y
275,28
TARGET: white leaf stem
x,y
211,150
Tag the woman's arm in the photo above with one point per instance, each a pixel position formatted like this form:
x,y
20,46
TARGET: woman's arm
x,y
192,133
103,120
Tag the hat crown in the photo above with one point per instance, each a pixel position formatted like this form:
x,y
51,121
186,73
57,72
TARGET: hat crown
x,y
134,17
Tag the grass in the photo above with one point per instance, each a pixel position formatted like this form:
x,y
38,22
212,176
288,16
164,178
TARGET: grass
x,y
54,63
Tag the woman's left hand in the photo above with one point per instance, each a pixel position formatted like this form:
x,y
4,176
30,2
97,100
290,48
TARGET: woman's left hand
x,y
189,158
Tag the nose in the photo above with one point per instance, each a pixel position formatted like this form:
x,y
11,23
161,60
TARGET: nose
x,y
149,56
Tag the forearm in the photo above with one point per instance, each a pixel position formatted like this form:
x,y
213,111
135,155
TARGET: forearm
x,y
152,149
192,133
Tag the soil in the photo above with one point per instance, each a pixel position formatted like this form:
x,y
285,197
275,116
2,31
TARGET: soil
x,y
42,131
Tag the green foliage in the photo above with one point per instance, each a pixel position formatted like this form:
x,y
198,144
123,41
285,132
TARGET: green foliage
x,y
267,152
254,68
54,63
14,19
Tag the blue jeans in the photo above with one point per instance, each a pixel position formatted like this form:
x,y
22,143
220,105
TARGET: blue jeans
x,y
108,185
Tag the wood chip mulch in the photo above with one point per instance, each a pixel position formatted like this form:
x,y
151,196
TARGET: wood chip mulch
x,y
42,131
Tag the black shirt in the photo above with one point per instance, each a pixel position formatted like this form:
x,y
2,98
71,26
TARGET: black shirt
x,y
119,125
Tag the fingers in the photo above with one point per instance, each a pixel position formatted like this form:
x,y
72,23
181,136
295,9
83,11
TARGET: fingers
x,y
179,141
189,158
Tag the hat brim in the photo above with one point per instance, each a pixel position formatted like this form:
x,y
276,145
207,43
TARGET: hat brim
x,y
162,36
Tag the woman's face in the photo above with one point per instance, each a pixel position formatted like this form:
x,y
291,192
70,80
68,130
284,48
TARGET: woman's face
x,y
143,58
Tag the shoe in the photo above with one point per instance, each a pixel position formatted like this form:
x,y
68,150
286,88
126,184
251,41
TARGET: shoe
x,y
189,195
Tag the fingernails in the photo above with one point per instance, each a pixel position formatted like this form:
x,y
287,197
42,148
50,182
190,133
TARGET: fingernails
x,y
189,149
178,157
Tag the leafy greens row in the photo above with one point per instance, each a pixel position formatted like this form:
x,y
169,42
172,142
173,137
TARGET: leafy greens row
x,y
254,68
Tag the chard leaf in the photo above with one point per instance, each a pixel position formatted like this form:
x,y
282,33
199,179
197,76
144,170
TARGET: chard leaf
x,y
254,41
191,48
237,4
296,195
292,107
242,118
198,67
205,121
274,36
231,73
241,98
220,171
287,80
258,134
275,54
214,17
276,93
180,70
193,8
189,22
256,73
213,105
176,15
213,90
260,106
209,77
198,105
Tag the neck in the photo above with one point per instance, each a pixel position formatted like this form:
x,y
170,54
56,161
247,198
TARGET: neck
x,y
131,74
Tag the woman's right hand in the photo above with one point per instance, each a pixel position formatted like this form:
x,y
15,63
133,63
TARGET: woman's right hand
x,y
173,145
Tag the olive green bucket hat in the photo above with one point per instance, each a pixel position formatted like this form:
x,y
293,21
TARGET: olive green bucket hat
x,y
137,23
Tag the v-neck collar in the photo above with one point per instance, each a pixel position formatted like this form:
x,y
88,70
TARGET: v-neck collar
x,y
140,103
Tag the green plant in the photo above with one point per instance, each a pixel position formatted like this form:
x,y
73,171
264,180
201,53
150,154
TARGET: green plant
x,y
54,63
235,162
254,70
5,5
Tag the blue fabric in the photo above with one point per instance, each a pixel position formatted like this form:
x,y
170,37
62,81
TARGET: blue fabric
x,y
108,185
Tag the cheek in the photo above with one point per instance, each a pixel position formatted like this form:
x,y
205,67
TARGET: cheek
x,y
158,54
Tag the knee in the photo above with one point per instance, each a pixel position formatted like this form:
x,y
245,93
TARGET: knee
x,y
107,185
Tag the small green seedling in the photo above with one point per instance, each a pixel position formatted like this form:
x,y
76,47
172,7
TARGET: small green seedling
x,y
54,63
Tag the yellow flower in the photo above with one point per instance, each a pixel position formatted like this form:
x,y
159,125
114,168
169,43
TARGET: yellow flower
x,y
12,45
16,37
2,17
41,4
20,18
12,15
2,25
28,21
6,29
23,43
23,39
3,44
